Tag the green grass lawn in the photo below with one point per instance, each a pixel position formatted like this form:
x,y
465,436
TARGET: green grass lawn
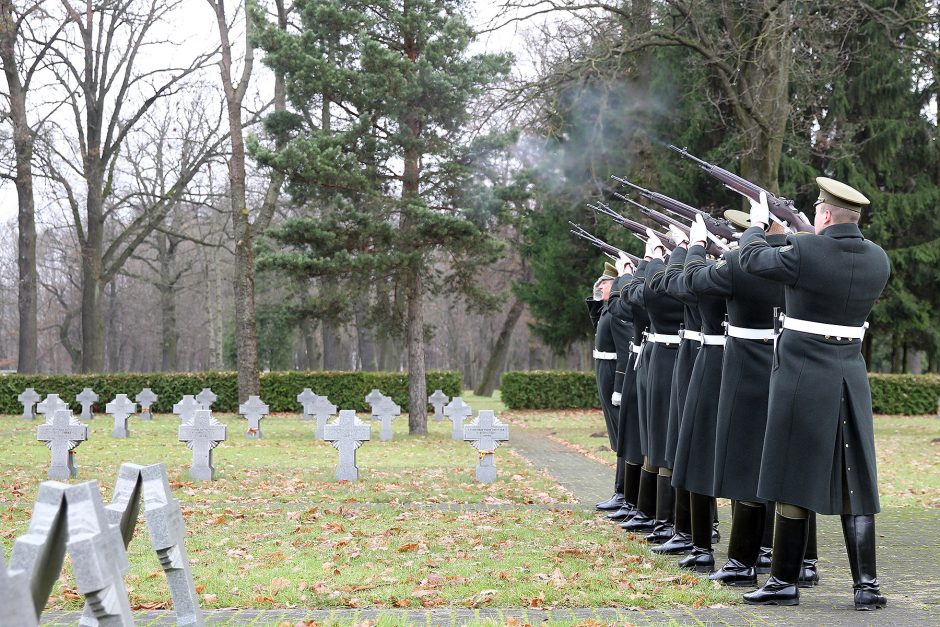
x,y
908,458
275,529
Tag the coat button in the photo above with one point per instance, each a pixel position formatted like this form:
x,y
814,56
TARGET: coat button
x,y
849,469
851,491
846,446
827,337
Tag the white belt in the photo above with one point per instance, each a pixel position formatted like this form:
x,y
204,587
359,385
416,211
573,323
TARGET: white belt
x,y
636,348
695,336
746,333
602,355
713,340
827,330
662,338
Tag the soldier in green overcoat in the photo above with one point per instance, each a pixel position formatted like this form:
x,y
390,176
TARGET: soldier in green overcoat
x,y
819,447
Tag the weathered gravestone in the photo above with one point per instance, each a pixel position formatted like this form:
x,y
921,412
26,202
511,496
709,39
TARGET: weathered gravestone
x,y
28,397
15,597
457,411
486,433
121,408
347,434
87,399
62,432
74,518
51,404
206,397
202,434
322,409
146,398
372,398
386,410
254,409
307,398
437,401
165,527
186,408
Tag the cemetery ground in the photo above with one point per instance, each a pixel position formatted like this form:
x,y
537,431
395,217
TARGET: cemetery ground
x,y
275,530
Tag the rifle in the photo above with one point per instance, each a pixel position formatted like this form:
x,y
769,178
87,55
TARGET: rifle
x,y
782,210
638,229
717,226
713,246
611,251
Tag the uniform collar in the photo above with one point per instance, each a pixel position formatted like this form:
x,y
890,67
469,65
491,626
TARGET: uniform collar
x,y
840,231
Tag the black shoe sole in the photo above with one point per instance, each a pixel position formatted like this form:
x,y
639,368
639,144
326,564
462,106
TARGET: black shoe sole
x,y
869,608
785,602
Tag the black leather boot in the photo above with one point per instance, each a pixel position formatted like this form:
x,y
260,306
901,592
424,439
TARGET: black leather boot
x,y
631,488
627,511
716,535
681,541
701,559
747,528
789,545
764,557
665,511
613,503
809,576
859,532
643,521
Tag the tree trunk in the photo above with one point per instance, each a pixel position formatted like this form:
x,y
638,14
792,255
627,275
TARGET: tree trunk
x,y
92,286
497,361
27,359
310,345
112,341
417,387
364,336
332,347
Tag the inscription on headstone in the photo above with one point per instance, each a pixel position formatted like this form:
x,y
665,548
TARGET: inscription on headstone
x,y
121,408
457,411
254,409
87,399
306,399
186,408
201,435
322,409
346,435
486,433
62,432
29,398
146,398
206,397
437,401
386,410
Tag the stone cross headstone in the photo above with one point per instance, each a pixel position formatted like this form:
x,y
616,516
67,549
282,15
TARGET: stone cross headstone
x,y
28,397
486,433
121,408
254,409
347,434
146,398
202,434
51,404
386,410
322,409
86,399
457,411
372,398
437,401
206,398
15,597
62,432
307,398
186,408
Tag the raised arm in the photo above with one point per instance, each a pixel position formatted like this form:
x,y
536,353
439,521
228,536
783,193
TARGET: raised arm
x,y
759,258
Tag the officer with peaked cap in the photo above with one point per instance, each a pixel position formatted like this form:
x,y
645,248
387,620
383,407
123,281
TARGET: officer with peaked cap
x,y
819,446
605,364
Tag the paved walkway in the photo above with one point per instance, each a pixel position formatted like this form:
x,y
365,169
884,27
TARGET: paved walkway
x,y
909,568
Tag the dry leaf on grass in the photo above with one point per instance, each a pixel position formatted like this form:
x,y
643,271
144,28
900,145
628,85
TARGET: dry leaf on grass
x,y
481,597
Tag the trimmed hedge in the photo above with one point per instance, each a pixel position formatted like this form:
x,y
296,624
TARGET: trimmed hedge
x,y
539,389
346,390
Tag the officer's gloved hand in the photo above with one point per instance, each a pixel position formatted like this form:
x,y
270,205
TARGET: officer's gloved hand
x,y
598,292
760,212
698,234
615,399
624,265
678,235
654,246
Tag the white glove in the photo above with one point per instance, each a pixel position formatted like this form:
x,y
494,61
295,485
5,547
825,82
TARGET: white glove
x,y
698,234
624,265
598,293
678,235
654,246
760,212
615,399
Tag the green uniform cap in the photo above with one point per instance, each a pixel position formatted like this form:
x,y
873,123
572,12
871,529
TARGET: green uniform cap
x,y
738,218
832,192
610,271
